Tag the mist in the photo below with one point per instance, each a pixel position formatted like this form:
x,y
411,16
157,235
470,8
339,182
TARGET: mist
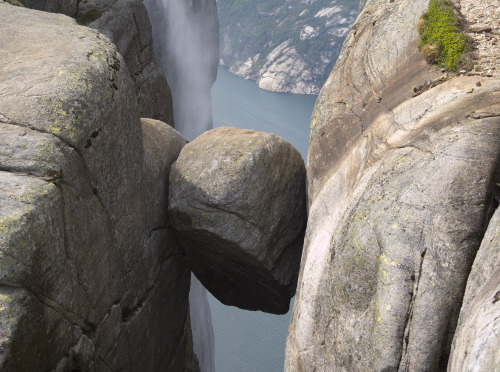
x,y
186,44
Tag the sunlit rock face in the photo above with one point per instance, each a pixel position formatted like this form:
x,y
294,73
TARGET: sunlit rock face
x,y
400,190
237,202
127,25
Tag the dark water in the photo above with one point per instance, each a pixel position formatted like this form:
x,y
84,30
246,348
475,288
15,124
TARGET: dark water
x,y
253,341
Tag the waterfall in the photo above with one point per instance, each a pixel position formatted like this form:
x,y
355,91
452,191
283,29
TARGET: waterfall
x,y
201,325
186,44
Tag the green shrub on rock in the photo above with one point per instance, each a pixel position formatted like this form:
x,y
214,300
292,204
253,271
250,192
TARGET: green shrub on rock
x,y
15,2
441,39
87,17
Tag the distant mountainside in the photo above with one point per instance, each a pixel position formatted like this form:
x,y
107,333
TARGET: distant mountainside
x,y
285,45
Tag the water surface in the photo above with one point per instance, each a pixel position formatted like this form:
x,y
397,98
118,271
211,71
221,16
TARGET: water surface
x,y
240,103
253,341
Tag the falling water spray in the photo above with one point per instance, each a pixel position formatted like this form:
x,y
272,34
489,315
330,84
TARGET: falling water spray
x,y
186,44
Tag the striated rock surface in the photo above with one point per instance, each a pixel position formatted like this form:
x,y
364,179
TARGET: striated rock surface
x,y
285,70
476,345
371,78
237,202
400,191
91,275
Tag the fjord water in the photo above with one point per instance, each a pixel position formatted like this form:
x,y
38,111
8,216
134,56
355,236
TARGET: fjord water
x,y
240,103
253,341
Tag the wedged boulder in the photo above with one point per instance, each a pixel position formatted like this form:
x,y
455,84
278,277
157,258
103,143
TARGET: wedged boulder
x,y
237,202
476,346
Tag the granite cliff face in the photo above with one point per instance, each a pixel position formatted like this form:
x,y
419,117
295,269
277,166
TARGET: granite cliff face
x,y
84,275
400,264
401,187
127,24
476,342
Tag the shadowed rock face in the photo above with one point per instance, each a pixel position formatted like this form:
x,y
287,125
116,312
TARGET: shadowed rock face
x,y
127,24
400,193
477,338
237,201
91,275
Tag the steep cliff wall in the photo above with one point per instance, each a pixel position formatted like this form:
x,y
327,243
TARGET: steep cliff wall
x,y
476,344
126,23
91,276
401,188
186,44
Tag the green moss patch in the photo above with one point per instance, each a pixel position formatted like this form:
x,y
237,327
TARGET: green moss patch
x,y
441,38
15,2
87,17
